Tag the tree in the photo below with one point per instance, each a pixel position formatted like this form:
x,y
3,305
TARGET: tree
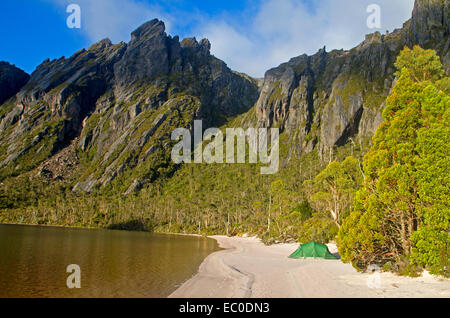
x,y
423,65
402,208
320,228
334,188
432,240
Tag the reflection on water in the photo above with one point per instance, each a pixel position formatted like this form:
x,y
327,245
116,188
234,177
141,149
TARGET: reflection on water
x,y
33,262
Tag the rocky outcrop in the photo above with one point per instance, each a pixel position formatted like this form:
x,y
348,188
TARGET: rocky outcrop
x,y
429,22
12,79
323,100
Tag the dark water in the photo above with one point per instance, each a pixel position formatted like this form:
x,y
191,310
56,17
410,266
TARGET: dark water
x,y
33,262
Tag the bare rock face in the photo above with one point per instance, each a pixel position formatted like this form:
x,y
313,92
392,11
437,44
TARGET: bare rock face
x,y
146,56
430,21
119,104
325,100
12,79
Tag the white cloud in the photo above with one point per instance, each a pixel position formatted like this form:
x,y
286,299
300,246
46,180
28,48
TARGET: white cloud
x,y
264,36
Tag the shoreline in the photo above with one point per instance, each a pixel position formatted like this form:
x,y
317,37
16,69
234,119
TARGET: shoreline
x,y
246,268
100,228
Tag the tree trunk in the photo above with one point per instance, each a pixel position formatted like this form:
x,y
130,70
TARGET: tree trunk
x,y
404,236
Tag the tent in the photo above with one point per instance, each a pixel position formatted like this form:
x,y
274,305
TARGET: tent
x,y
313,250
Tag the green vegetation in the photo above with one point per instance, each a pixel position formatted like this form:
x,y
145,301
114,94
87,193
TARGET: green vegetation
x,y
402,210
333,189
423,65
38,148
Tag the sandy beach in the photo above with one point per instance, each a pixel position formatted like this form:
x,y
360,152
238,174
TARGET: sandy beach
x,y
249,269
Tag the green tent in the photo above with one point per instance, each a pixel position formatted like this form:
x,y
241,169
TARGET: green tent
x,y
313,250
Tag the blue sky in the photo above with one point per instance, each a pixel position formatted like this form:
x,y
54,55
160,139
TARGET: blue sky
x,y
249,35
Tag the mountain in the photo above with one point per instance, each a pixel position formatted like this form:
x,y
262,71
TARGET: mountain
x,y
322,101
115,106
12,79
100,120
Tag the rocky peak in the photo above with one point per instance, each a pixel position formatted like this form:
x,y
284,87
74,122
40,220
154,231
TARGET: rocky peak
x,y
12,79
100,46
153,28
146,56
372,38
205,44
192,44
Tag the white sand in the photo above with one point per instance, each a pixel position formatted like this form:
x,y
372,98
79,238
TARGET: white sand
x,y
249,269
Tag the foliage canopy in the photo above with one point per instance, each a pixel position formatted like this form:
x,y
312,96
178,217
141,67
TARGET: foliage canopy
x,y
403,207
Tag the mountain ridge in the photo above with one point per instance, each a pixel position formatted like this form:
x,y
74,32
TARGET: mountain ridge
x,y
112,107
133,88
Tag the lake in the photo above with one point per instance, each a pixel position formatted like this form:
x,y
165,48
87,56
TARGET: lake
x,y
34,260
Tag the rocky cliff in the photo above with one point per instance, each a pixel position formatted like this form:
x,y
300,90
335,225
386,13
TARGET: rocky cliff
x,y
12,79
115,106
325,100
